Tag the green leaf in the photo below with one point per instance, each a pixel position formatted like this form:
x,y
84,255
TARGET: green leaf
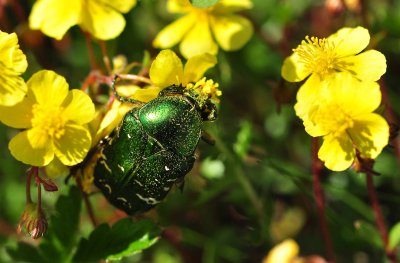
x,y
61,237
394,236
243,139
25,252
122,239
203,3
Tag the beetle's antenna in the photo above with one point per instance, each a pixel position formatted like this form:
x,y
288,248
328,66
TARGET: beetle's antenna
x,y
119,97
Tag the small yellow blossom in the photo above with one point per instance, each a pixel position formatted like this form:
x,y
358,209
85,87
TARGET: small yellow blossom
x,y
102,19
55,121
344,117
12,64
167,70
321,58
201,27
284,252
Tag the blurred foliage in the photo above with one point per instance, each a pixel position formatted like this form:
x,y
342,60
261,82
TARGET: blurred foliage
x,y
235,201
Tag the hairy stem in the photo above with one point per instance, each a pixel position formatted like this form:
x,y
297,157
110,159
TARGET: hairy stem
x,y
89,46
320,200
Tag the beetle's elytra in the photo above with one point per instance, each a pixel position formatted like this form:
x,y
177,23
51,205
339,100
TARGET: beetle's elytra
x,y
151,149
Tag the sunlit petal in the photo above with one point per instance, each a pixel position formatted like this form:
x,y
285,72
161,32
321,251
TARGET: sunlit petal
x,y
196,66
102,21
122,6
293,69
72,147
78,107
55,17
370,134
166,69
47,88
178,6
350,41
199,40
18,116
232,32
174,32
231,6
354,96
337,152
284,252
35,153
12,88
367,66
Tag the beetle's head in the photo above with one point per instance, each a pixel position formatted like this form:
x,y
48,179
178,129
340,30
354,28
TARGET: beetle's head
x,y
204,94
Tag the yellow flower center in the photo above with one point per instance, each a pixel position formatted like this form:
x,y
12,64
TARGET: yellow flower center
x,y
333,119
205,89
49,119
318,55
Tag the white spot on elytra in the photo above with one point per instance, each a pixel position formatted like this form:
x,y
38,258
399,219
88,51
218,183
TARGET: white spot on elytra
x,y
166,168
121,168
148,200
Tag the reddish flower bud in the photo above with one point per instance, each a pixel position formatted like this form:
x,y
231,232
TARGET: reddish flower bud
x,y
33,221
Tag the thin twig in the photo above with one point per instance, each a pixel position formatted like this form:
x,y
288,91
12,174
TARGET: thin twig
x,y
89,46
106,58
320,200
380,223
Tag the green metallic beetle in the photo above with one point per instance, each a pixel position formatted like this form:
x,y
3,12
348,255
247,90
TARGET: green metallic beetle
x,y
152,149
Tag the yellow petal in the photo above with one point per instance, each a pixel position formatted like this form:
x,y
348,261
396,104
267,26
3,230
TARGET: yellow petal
x,y
78,107
178,6
47,88
367,66
284,252
308,94
18,116
12,88
370,134
55,17
73,146
122,6
353,96
232,32
102,21
11,56
23,150
172,34
196,66
293,70
166,69
56,169
230,6
198,40
350,41
337,152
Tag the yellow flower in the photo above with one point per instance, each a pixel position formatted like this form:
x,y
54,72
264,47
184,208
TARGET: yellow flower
x,y
284,252
321,58
102,19
167,70
194,29
55,121
337,53
12,64
344,117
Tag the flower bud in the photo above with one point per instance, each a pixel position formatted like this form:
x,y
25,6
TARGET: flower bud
x,y
33,221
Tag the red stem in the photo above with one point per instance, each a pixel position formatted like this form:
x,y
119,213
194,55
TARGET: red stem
x,y
320,200
380,223
86,200
89,46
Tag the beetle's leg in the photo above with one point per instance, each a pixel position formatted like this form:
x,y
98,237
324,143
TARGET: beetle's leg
x,y
206,137
119,97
